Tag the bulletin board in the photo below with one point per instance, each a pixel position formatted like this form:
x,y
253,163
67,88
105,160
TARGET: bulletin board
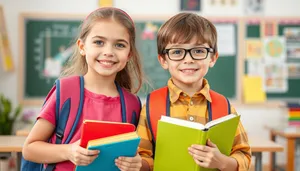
x,y
274,27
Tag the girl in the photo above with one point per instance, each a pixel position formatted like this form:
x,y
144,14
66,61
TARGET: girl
x,y
106,56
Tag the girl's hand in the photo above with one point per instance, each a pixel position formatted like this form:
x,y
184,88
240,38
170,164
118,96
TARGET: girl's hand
x,y
129,163
207,156
81,156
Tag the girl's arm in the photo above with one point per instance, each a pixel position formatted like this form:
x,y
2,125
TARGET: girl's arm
x,y
37,149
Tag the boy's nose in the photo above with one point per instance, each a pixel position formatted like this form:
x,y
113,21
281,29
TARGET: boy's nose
x,y
188,58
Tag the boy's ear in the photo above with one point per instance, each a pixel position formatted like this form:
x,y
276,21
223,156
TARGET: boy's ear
x,y
213,59
80,46
163,62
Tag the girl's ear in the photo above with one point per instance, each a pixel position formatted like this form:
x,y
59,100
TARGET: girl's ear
x,y
80,46
164,64
213,59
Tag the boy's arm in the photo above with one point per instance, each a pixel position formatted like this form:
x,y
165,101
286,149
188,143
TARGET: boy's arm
x,y
145,147
241,150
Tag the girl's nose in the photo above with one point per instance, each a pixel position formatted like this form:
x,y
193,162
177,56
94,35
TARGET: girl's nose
x,y
108,51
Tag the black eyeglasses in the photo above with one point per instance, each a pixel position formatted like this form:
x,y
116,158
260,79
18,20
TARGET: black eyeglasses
x,y
197,53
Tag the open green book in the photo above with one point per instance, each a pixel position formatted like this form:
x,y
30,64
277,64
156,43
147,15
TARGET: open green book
x,y
174,136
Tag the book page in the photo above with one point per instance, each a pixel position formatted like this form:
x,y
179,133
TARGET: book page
x,y
219,120
181,122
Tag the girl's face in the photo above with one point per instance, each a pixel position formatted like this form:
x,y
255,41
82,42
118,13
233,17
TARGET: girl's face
x,y
106,48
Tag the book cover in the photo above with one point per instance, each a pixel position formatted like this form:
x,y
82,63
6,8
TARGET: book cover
x,y
110,149
174,136
94,129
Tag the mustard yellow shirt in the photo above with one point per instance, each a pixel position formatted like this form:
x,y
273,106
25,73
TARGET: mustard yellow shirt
x,y
193,108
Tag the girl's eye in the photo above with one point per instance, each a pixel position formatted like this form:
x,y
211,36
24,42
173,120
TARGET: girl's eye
x,y
99,42
120,45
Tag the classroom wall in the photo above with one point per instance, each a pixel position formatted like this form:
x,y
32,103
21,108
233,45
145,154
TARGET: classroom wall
x,y
254,117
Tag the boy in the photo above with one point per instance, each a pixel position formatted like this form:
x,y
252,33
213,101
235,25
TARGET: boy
x,y
187,47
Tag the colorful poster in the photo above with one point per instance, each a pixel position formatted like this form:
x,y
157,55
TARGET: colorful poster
x,y
292,36
255,67
254,48
254,7
274,49
190,5
275,77
293,71
270,28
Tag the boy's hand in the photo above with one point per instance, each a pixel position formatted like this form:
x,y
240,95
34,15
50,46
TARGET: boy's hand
x,y
81,156
129,163
207,156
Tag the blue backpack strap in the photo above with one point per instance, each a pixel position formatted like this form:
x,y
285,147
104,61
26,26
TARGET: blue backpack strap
x,y
123,106
63,115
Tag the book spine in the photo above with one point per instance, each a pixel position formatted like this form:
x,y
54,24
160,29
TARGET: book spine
x,y
202,139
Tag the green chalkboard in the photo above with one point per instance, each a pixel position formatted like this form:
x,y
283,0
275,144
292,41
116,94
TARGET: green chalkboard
x,y
293,93
146,34
222,77
48,43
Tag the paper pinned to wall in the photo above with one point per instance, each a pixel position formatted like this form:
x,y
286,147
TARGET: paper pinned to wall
x,y
254,48
105,3
253,89
275,77
226,39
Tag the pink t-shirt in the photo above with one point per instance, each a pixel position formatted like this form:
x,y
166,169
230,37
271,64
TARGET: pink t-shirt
x,y
95,107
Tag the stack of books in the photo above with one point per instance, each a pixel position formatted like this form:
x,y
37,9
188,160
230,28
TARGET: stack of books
x,y
294,115
112,139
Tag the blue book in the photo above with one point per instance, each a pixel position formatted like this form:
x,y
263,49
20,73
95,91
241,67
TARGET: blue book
x,y
110,149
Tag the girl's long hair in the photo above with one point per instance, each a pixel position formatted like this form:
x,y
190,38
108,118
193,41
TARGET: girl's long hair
x,y
131,77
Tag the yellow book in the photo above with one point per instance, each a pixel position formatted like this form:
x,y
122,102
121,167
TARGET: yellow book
x,y
294,113
174,136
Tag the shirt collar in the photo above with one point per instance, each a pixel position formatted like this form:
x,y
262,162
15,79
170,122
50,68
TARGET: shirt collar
x,y
175,92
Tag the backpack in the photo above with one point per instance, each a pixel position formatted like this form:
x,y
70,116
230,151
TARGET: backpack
x,y
69,103
158,104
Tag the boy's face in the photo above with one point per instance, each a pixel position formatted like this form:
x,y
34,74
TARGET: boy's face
x,y
188,71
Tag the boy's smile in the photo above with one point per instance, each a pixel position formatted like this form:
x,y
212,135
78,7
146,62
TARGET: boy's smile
x,y
188,73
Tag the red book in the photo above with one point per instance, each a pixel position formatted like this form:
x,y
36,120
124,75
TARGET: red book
x,y
93,129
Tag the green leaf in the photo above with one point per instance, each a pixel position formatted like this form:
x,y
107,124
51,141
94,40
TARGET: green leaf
x,y
17,112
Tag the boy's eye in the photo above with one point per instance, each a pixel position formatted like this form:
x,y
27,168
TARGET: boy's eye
x,y
99,42
120,45
176,51
199,50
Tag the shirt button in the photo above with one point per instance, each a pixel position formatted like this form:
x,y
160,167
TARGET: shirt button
x,y
191,118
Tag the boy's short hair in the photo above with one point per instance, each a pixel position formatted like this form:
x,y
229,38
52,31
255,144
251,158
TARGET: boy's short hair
x,y
182,27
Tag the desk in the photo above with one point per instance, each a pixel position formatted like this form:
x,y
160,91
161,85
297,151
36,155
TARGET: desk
x,y
260,145
12,143
22,132
292,135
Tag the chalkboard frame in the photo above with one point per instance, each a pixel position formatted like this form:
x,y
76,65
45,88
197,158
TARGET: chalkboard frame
x,y
23,17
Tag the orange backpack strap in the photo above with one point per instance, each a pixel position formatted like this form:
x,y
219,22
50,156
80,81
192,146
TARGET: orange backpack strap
x,y
219,107
157,105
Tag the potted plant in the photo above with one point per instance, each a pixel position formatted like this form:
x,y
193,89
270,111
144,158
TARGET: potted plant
x,y
7,118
